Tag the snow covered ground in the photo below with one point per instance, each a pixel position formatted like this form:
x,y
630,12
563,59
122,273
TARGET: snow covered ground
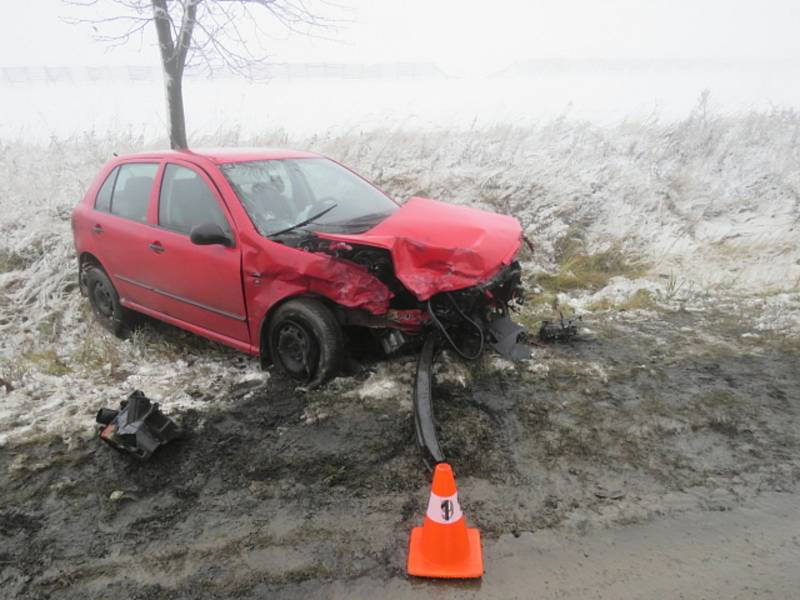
x,y
708,200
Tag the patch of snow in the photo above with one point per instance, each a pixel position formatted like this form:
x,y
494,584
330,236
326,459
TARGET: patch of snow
x,y
449,369
498,363
779,312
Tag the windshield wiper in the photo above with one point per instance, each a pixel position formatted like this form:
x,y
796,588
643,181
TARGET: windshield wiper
x,y
310,219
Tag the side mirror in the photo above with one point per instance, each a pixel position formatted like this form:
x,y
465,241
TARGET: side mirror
x,y
208,234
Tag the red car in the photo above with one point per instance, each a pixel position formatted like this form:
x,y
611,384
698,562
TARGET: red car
x,y
279,253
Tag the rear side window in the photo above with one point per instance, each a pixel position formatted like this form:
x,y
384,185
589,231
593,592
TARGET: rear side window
x,y
186,202
103,201
131,193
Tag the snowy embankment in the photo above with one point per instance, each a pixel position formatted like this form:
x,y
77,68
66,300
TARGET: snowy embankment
x,y
710,204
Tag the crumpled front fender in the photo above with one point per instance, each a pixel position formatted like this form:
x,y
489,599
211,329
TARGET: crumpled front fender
x,y
273,272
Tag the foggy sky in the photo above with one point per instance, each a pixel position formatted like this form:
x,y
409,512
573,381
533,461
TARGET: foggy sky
x,y
462,37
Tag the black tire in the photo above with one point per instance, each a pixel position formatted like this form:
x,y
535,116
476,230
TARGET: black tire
x,y
105,302
305,341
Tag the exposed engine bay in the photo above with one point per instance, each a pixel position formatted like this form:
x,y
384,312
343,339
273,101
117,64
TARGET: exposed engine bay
x,y
467,320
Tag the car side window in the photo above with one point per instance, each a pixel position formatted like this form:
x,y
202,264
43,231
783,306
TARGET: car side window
x,y
186,202
103,200
132,188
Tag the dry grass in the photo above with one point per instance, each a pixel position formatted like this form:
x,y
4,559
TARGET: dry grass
x,y
579,270
12,261
95,352
47,362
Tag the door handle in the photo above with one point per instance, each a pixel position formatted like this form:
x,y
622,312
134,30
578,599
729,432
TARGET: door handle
x,y
156,247
97,229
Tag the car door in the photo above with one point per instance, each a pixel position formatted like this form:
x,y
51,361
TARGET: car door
x,y
121,231
200,285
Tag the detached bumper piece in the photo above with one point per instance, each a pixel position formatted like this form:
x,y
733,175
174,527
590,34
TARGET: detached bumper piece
x,y
505,334
138,427
424,424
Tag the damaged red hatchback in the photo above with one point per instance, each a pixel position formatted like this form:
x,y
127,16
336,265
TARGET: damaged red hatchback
x,y
279,253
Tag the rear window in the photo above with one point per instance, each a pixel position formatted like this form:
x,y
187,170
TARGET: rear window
x,y
131,191
103,200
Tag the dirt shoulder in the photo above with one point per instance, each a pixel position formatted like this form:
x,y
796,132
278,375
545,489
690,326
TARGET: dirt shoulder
x,y
279,493
751,551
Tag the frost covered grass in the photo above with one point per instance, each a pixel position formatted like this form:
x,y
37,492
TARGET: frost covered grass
x,y
627,217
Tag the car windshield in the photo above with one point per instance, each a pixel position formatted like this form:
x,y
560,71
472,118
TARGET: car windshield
x,y
285,195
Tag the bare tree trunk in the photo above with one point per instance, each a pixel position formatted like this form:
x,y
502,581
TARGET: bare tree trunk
x,y
220,38
173,85
173,59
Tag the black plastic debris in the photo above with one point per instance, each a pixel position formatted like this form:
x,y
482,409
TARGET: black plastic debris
x,y
424,422
505,334
562,330
138,427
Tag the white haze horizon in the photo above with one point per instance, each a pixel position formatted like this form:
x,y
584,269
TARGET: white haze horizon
x,y
318,98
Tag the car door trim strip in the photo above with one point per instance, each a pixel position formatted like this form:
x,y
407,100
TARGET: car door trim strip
x,y
182,299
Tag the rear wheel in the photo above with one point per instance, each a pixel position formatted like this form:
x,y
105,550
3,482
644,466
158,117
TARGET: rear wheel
x,y
306,341
105,302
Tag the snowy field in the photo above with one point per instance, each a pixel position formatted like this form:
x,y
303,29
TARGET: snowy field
x,y
702,189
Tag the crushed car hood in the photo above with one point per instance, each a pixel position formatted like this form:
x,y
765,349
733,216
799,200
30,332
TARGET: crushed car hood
x,y
438,247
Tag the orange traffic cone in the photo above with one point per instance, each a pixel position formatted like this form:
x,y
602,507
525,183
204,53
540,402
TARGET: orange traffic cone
x,y
443,546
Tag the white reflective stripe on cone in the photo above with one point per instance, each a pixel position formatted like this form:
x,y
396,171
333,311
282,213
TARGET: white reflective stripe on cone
x,y
444,509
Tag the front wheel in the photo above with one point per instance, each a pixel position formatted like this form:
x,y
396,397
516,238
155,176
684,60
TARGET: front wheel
x,y
306,341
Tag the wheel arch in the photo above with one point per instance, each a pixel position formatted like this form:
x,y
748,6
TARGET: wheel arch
x,y
85,260
263,329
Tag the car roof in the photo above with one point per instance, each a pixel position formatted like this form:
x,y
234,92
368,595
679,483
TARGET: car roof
x,y
225,155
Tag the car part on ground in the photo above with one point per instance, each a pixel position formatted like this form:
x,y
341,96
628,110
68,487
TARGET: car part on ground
x,y
424,424
562,330
505,334
306,341
424,419
138,427
466,320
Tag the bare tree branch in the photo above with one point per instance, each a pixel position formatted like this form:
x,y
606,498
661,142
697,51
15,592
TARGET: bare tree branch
x,y
220,43
200,32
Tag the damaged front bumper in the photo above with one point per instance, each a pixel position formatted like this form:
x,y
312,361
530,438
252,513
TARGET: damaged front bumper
x,y
472,318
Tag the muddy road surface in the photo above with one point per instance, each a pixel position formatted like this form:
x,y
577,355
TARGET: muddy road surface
x,y
649,423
